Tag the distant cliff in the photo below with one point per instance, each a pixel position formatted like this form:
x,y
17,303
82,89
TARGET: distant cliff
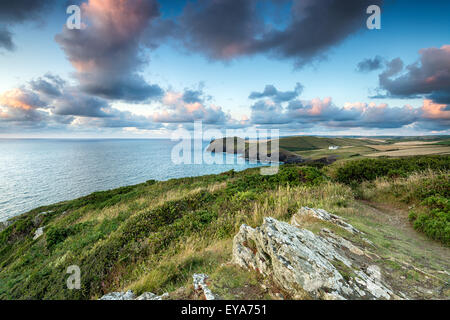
x,y
242,147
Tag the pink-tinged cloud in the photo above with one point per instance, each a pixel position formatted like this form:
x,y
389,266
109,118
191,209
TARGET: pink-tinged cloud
x,y
106,52
429,77
323,112
177,110
20,99
433,110
21,106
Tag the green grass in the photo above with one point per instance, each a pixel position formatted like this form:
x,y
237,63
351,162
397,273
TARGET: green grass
x,y
427,194
342,153
312,143
370,169
154,236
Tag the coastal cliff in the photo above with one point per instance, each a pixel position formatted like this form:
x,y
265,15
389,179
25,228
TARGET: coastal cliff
x,y
240,146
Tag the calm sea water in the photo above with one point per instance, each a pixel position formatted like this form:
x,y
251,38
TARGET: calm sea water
x,y
41,172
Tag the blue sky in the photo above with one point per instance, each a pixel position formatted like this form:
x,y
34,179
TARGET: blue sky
x,y
197,60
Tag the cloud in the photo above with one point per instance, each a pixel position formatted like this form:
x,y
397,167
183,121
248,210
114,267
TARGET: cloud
x,y
323,112
62,99
226,29
368,64
21,98
221,29
300,114
116,119
429,77
6,39
49,101
189,106
277,96
435,116
49,84
192,96
106,52
16,12
21,105
268,112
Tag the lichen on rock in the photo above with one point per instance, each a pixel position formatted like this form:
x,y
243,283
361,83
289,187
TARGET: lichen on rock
x,y
200,285
129,295
306,265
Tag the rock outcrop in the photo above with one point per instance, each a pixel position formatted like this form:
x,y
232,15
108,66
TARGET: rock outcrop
x,y
308,265
129,295
39,232
201,286
5,224
322,215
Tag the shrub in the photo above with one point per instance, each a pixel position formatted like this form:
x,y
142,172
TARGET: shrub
x,y
292,175
369,169
435,221
56,235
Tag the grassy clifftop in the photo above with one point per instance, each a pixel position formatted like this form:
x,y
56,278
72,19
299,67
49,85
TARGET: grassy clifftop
x,y
154,236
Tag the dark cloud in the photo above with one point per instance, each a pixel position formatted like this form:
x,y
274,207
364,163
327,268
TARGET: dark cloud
x,y
368,64
225,29
75,103
192,96
314,27
6,39
49,84
159,31
277,96
22,10
429,77
16,12
107,52
221,29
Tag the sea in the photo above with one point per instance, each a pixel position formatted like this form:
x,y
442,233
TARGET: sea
x,y
37,172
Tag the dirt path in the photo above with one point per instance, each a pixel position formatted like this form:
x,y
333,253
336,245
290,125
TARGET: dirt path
x,y
422,265
422,251
398,218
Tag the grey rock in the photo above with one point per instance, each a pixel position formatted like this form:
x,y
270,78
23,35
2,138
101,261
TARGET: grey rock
x,y
5,224
325,216
39,232
152,296
39,217
200,285
129,295
306,265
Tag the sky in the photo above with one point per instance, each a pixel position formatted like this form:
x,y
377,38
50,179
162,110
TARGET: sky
x,y
144,68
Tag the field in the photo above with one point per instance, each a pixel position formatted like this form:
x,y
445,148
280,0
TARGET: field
x,y
412,151
318,147
341,153
314,143
154,236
